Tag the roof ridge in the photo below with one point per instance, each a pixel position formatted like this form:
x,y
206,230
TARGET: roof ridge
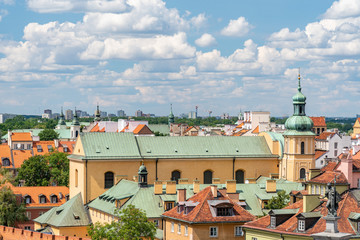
x,y
343,201
203,202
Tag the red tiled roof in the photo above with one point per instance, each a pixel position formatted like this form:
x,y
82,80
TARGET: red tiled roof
x,y
328,177
347,205
5,153
202,212
319,121
95,128
319,153
125,128
44,146
19,156
35,192
325,135
330,166
21,137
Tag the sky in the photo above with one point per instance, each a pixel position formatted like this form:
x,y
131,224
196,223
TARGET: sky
x,y
223,56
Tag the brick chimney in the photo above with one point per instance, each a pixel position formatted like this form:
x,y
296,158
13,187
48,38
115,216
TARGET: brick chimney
x,y
310,202
183,181
216,181
270,186
170,187
158,187
181,195
214,190
196,186
230,186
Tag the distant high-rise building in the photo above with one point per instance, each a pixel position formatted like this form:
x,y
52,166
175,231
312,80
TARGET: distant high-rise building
x,y
225,116
5,116
121,113
78,113
110,115
138,113
103,114
83,114
55,115
69,114
192,115
48,111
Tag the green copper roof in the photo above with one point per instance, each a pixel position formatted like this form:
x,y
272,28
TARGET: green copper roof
x,y
75,121
72,214
161,128
104,146
280,138
63,133
171,115
299,123
61,121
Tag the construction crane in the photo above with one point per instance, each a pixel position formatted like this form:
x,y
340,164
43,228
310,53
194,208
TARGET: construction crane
x,y
210,112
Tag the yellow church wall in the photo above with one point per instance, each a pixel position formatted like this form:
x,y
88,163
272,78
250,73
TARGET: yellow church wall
x,y
77,178
189,168
356,128
314,188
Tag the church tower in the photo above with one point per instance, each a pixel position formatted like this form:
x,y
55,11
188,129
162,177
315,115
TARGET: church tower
x,y
61,124
299,142
75,127
171,118
97,114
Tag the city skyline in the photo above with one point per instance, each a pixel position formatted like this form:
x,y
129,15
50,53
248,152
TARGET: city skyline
x,y
146,54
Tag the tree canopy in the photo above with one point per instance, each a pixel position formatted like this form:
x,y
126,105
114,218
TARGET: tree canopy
x,y
45,170
279,201
10,210
48,135
132,224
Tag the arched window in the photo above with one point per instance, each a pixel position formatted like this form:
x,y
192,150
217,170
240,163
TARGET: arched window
x,y
302,148
208,175
302,173
76,134
6,162
109,179
239,176
175,175
76,177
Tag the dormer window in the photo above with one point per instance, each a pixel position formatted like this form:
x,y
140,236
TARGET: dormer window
x,y
42,198
27,199
273,222
224,211
188,209
50,148
279,216
6,162
301,225
53,198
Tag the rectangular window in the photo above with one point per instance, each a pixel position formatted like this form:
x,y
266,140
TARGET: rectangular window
x,y
335,145
22,146
273,222
254,238
27,228
322,190
317,189
28,215
179,228
50,148
172,227
186,230
39,148
213,231
169,205
301,225
312,189
156,222
29,146
238,231
335,153
223,212
358,226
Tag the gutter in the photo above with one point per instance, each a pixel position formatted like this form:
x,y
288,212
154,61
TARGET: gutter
x,y
233,168
86,161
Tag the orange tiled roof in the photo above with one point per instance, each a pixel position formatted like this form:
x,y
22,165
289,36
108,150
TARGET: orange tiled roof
x,y
19,156
125,128
21,137
202,212
95,128
69,144
347,205
44,146
35,192
325,135
256,130
142,129
330,166
319,121
328,177
5,153
240,125
319,153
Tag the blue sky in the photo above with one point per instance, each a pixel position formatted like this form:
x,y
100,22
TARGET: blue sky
x,y
145,54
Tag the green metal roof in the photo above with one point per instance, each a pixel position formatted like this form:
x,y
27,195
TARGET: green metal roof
x,y
203,147
283,211
109,145
312,214
161,128
72,213
127,146
280,138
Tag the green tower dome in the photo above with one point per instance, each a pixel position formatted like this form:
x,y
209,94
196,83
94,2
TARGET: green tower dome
x,y
61,121
299,123
75,121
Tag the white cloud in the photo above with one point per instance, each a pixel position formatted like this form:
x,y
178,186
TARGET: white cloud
x,y
237,28
159,47
205,40
199,20
51,6
343,9
8,2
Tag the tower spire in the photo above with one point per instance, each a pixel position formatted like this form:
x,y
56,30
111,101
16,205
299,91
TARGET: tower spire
x,y
299,84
